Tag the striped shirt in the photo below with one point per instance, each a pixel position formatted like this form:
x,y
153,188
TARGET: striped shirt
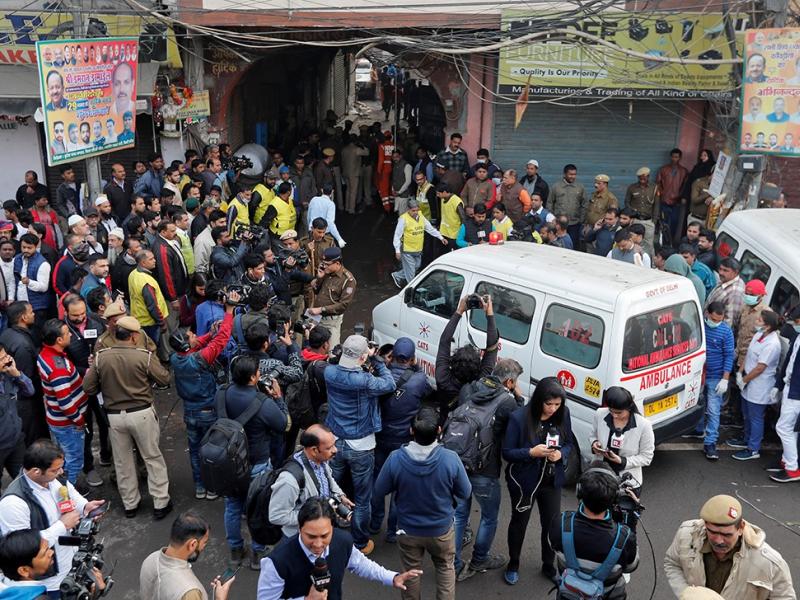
x,y
64,398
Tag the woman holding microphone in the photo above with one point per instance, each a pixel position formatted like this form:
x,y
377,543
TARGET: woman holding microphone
x,y
623,439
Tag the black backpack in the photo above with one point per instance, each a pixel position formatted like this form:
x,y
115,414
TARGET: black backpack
x,y
224,461
258,497
469,432
298,399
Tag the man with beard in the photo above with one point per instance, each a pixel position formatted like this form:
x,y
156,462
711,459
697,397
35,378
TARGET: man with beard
x,y
86,135
28,192
124,265
167,573
73,143
226,260
58,146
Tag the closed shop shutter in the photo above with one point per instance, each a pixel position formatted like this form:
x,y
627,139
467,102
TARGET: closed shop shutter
x,y
144,146
340,81
604,138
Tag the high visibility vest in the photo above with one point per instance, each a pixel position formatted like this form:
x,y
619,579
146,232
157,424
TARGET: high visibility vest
x,y
422,199
413,233
242,215
285,218
267,196
451,222
136,282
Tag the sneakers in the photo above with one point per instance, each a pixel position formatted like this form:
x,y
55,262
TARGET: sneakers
x,y
397,281
466,539
367,550
200,493
775,467
464,573
746,454
786,476
693,435
237,556
492,561
710,450
93,479
159,387
211,496
511,577
255,559
737,443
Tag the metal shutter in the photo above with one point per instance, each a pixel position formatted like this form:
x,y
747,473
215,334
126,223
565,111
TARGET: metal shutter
x,y
597,139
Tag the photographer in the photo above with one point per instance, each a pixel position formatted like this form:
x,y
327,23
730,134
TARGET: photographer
x,y
225,262
258,339
258,301
295,266
31,501
14,384
196,383
465,365
268,423
623,439
594,534
315,356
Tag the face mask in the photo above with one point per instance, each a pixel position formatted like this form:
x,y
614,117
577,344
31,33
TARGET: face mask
x,y
496,180
712,324
481,161
759,329
751,300
796,328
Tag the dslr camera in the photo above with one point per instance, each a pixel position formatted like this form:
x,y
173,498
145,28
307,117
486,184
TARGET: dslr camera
x,y
300,257
237,163
266,380
475,301
242,290
81,583
342,512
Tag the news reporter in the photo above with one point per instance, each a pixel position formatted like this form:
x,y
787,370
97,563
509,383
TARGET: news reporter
x,y
34,501
623,438
537,444
289,570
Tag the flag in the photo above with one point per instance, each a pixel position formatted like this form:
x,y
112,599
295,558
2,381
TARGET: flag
x,y
522,103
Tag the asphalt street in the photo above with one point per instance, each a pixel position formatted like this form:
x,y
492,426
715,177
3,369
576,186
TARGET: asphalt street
x,y
675,486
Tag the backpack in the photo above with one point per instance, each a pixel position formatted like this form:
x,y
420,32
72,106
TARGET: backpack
x,y
298,399
469,432
259,495
579,585
224,461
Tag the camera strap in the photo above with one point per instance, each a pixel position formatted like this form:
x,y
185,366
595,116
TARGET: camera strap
x,y
310,470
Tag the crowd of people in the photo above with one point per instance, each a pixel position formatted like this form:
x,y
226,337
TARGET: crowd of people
x,y
234,293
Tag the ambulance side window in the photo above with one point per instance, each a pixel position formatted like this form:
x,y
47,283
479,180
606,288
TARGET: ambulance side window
x,y
754,268
725,246
784,297
439,293
513,312
573,335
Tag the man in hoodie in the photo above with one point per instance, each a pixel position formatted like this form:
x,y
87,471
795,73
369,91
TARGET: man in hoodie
x,y
499,390
677,265
703,271
425,469
397,412
723,552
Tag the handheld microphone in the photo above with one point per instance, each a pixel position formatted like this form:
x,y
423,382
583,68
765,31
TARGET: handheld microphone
x,y
320,576
65,505
617,438
553,439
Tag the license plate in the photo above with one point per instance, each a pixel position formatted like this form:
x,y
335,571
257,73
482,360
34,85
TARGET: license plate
x,y
657,406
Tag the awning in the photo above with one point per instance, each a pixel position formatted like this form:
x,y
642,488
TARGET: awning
x,y
19,88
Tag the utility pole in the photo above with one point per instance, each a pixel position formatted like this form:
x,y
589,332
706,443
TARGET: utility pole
x,y
93,177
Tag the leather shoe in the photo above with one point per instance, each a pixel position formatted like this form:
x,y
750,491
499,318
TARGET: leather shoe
x,y
131,512
160,513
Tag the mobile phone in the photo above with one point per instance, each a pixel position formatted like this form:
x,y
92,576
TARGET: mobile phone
x,y
554,447
100,510
228,574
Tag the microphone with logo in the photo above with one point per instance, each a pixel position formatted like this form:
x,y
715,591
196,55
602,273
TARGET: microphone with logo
x,y
553,442
320,575
65,504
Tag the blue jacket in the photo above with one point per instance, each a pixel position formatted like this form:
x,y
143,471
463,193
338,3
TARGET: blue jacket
x,y
603,239
436,475
38,300
353,399
195,380
399,407
719,351
522,470
794,382
149,184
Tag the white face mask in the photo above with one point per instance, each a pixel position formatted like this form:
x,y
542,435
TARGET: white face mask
x,y
496,180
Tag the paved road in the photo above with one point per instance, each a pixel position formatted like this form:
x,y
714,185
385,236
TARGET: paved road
x,y
675,485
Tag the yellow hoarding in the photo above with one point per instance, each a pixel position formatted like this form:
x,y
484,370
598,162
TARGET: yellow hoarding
x,y
563,65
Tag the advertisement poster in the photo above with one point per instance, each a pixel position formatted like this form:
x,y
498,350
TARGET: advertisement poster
x,y
770,121
573,66
88,92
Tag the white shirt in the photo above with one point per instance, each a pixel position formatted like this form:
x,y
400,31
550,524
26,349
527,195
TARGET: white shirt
x,y
548,219
400,228
8,275
40,284
323,206
15,515
270,584
766,350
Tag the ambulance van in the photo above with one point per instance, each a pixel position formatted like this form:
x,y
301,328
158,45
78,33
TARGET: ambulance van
x,y
588,320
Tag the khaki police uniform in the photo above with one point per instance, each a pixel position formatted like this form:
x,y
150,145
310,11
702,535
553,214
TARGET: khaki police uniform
x,y
333,295
646,202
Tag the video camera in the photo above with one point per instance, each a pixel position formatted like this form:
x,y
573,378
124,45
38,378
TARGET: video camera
x,y
236,163
81,583
300,257
524,228
242,290
257,233
626,508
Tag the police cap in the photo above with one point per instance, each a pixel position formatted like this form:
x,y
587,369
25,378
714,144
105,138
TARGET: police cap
x,y
602,177
722,510
332,254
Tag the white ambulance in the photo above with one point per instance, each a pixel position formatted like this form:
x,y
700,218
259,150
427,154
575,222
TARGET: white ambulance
x,y
590,321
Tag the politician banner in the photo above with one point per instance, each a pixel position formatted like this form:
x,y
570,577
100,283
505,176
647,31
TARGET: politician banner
x,y
88,91
571,65
771,92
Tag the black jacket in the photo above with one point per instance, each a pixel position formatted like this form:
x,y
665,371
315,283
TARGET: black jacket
x,y
119,274
19,343
170,274
81,347
120,199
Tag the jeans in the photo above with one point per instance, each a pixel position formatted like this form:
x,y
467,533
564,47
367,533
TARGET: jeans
x,y
153,332
574,232
486,491
70,439
409,265
710,421
753,424
197,422
671,216
382,451
361,464
234,506
549,500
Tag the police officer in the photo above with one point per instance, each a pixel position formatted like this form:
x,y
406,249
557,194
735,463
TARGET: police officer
x,y
643,198
125,374
334,288
723,552
314,245
600,202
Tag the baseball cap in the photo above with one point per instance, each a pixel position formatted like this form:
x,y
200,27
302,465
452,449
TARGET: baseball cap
x,y
283,169
534,162
755,287
90,212
101,199
403,349
129,323
289,234
332,254
354,347
114,309
721,510
74,220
